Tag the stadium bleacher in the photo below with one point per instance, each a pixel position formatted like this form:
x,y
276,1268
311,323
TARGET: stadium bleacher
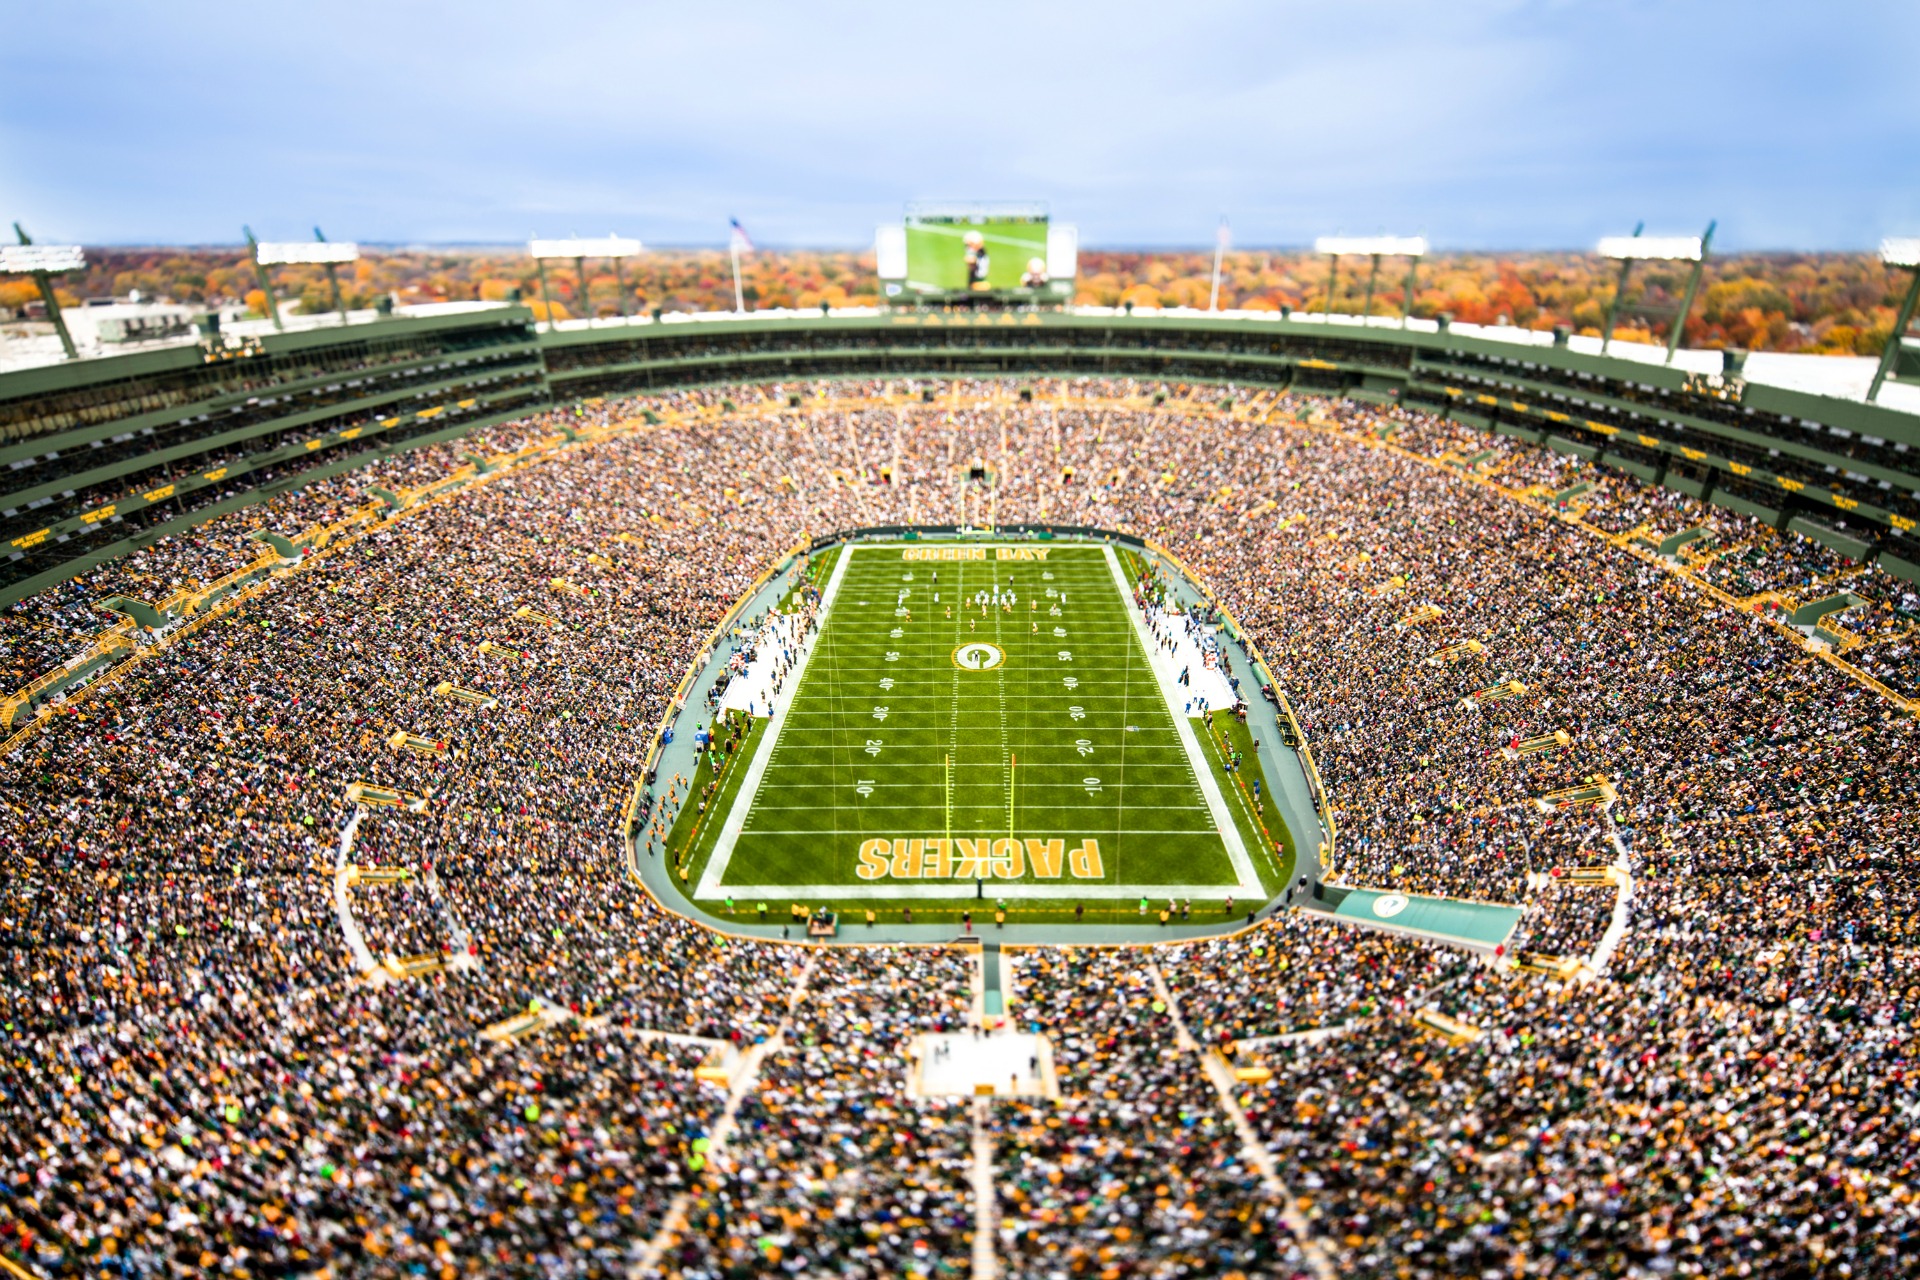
x,y
1701,1063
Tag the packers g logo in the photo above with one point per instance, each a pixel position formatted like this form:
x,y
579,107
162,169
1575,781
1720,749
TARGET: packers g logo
x,y
978,656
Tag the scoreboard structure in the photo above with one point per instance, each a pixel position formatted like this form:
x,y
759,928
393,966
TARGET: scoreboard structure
x,y
980,253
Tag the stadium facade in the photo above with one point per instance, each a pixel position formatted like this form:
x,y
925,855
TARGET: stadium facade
x,y
106,455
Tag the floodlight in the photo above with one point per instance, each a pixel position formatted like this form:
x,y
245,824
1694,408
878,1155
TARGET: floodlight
x,y
1895,251
306,253
1642,248
603,247
890,252
25,259
1363,246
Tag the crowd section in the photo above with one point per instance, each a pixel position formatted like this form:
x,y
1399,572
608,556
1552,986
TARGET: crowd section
x,y
1292,974
833,1169
1627,1127
1136,1170
43,630
196,1071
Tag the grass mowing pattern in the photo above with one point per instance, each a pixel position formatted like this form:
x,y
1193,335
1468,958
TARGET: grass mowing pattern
x,y
889,736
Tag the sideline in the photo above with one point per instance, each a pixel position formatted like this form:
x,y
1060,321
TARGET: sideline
x,y
716,868
1223,821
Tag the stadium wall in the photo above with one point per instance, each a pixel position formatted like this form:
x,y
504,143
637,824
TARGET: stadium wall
x,y
103,456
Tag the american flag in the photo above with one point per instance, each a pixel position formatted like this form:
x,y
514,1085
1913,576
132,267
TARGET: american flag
x,y
740,243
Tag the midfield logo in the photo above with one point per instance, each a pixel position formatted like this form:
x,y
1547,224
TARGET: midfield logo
x,y
978,656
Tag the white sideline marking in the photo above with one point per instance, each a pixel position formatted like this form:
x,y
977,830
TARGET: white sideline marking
x,y
1216,803
750,785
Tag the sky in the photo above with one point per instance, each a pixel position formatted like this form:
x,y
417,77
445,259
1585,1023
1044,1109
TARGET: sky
x,y
1483,124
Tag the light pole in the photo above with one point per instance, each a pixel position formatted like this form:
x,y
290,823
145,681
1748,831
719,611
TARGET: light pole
x,y
1903,253
1413,248
579,250
1639,248
43,262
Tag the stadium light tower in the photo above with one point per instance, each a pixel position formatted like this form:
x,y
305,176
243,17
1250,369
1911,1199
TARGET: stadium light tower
x,y
1904,253
1412,248
1636,248
43,262
614,247
319,252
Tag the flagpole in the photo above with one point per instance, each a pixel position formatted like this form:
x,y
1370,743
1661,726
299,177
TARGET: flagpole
x,y
1219,250
733,250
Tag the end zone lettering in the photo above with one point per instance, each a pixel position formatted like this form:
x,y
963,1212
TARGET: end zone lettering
x,y
1022,553
944,553
982,859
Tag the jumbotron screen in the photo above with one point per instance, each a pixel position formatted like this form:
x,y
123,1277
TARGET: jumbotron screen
x,y
963,254
943,251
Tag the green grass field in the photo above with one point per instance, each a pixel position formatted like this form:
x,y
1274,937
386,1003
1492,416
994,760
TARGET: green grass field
x,y
933,741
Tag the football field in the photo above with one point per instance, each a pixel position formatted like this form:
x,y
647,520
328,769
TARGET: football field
x,y
982,719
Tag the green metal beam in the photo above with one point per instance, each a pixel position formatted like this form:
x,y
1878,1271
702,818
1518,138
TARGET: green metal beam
x,y
1679,325
333,277
546,295
1900,323
1619,291
260,275
44,282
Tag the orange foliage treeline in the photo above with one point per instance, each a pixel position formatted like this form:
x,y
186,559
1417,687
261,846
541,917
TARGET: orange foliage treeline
x,y
1813,302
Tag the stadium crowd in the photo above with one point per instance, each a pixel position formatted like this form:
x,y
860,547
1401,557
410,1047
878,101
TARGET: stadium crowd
x,y
202,1077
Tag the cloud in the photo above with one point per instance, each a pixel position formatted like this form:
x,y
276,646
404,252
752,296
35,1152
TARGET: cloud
x,y
1516,123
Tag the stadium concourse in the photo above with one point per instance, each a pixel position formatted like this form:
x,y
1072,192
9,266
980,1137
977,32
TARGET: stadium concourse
x,y
1704,1067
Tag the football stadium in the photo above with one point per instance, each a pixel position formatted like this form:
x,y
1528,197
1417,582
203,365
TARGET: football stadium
x,y
972,780
912,792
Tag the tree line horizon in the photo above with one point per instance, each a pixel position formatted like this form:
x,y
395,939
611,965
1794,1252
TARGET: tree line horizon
x,y
1828,302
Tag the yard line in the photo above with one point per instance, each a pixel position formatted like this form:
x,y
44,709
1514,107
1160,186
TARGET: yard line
x,y
870,806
